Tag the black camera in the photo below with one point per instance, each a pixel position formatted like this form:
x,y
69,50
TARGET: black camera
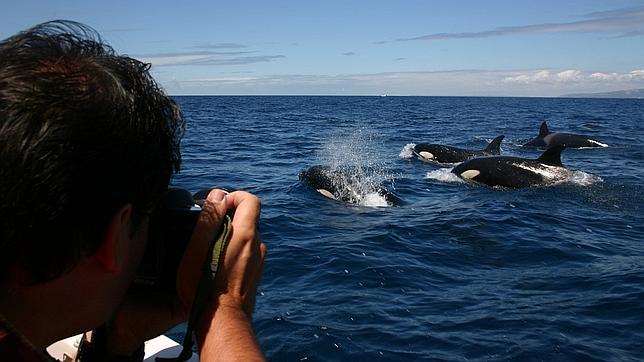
x,y
171,225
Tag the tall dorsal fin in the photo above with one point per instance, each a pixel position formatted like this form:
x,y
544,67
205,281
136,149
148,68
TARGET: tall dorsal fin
x,y
544,131
552,156
493,147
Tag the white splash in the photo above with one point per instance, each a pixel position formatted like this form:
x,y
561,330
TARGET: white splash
x,y
362,169
373,199
583,179
408,151
444,175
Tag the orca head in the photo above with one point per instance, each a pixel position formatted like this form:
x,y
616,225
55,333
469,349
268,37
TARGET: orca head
x,y
320,178
423,152
469,170
317,177
426,155
327,193
469,174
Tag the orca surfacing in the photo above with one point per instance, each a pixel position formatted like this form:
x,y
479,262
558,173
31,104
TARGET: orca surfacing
x,y
449,154
345,184
514,172
546,139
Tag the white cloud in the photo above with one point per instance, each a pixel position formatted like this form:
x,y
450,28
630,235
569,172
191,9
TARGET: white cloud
x,y
205,58
541,75
536,76
639,74
625,22
161,60
570,75
603,76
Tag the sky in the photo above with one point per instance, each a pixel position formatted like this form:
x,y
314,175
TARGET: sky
x,y
366,47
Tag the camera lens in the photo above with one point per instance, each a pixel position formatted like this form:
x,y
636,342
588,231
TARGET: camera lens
x,y
171,226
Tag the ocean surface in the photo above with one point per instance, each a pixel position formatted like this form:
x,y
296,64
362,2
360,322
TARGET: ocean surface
x,y
459,271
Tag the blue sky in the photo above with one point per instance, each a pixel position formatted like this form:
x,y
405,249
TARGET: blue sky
x,y
370,47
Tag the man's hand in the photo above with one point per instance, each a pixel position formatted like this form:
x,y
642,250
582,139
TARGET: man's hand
x,y
225,330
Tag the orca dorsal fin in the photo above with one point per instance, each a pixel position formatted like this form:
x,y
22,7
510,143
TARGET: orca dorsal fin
x,y
493,147
544,131
552,156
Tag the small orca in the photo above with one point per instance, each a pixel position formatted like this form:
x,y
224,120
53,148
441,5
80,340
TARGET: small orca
x,y
348,185
506,171
448,154
546,139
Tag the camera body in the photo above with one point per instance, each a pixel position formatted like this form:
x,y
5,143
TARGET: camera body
x,y
171,225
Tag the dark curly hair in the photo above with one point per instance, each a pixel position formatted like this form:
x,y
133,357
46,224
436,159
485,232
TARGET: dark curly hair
x,y
83,132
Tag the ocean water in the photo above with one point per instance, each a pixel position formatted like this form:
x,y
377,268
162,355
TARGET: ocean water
x,y
458,271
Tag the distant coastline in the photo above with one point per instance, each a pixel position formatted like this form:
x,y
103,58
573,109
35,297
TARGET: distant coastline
x,y
630,93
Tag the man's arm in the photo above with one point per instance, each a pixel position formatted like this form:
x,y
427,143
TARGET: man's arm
x,y
228,336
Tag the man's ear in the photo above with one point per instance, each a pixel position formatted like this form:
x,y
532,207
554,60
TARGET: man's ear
x,y
109,252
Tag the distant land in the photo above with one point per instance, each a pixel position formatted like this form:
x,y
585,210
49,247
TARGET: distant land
x,y
630,93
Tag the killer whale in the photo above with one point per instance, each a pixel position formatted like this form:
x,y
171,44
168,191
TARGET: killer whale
x,y
546,139
448,154
348,185
514,172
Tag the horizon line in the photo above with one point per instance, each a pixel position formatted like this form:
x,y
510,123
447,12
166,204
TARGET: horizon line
x,y
586,95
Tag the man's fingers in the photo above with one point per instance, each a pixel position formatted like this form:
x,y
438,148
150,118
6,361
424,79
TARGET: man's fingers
x,y
210,218
208,225
247,207
245,221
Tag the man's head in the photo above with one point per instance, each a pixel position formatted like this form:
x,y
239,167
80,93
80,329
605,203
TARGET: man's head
x,y
83,132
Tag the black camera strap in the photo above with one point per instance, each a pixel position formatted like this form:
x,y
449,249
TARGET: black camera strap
x,y
205,290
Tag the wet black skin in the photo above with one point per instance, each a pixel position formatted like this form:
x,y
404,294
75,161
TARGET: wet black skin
x,y
547,139
449,154
333,179
503,170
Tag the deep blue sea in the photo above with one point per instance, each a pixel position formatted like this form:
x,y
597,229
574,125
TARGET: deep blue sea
x,y
459,271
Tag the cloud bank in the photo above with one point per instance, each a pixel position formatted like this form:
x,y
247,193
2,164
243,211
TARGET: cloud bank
x,y
443,83
575,76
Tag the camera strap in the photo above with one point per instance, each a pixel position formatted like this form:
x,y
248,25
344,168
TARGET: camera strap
x,y
205,290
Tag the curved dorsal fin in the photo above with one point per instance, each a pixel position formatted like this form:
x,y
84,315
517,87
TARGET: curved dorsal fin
x,y
493,147
552,156
543,131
